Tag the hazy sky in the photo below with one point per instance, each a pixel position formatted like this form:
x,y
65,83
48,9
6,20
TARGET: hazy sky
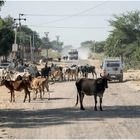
x,y
73,21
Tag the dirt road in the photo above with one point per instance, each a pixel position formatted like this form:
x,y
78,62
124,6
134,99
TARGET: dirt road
x,y
58,118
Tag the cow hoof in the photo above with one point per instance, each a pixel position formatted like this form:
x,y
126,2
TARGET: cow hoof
x,y
82,108
95,109
101,109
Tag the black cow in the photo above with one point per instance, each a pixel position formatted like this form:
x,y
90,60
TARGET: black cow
x,y
91,87
65,57
45,71
87,69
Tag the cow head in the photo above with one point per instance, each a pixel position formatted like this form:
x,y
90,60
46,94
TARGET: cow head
x,y
2,82
105,80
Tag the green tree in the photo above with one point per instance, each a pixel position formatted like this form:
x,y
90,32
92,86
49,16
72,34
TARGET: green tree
x,y
57,45
23,37
124,38
6,36
1,3
87,44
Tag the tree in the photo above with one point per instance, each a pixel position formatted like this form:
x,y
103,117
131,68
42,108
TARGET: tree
x,y
57,45
6,36
1,3
124,38
87,44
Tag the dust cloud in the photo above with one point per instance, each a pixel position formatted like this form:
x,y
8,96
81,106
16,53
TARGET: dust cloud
x,y
83,53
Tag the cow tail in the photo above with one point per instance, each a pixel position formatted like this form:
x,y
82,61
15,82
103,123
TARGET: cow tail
x,y
77,92
76,100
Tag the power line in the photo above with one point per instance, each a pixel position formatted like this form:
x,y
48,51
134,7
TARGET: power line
x,y
77,14
68,27
67,15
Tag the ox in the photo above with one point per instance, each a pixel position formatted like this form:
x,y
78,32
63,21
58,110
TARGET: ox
x,y
91,87
17,86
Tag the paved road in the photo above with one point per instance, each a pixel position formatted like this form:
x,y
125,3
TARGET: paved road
x,y
58,118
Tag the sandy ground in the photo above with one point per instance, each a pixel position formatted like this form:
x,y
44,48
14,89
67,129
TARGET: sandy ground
x,y
58,118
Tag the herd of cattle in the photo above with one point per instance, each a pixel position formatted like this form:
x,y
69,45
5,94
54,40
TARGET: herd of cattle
x,y
40,80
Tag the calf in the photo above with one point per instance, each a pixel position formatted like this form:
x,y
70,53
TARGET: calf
x,y
17,86
91,87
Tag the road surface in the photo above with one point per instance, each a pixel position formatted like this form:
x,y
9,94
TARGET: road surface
x,y
58,118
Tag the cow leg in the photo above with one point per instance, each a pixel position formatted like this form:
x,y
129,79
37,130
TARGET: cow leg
x,y
25,97
43,91
101,104
81,101
95,99
29,96
47,87
95,74
40,90
35,95
76,101
11,96
26,93
87,75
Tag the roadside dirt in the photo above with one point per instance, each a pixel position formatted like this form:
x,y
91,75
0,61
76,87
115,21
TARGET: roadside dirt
x,y
58,118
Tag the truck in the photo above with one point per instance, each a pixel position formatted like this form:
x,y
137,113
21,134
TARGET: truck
x,y
73,54
113,67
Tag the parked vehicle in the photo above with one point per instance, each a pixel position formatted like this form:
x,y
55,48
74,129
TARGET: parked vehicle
x,y
113,67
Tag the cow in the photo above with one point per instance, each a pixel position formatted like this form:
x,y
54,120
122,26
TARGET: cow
x,y
95,87
38,84
65,57
45,72
17,86
84,70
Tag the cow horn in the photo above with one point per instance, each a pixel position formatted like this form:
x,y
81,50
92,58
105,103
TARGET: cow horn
x,y
101,75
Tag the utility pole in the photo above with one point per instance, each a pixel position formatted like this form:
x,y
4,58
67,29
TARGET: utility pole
x,y
47,44
14,46
93,45
57,39
21,50
15,41
33,48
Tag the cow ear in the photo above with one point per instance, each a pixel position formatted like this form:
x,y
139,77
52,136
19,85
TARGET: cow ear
x,y
99,81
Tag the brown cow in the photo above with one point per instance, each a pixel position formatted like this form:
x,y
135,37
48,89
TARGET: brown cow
x,y
17,86
39,84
